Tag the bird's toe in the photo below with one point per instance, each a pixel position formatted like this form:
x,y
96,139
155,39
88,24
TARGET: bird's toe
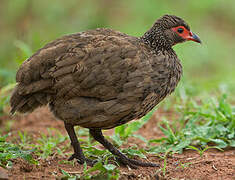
x,y
135,163
82,160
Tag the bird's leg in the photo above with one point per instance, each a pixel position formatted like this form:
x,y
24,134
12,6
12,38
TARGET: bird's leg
x,y
78,154
98,136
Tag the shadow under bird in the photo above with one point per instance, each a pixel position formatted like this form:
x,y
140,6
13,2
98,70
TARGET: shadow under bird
x,y
102,78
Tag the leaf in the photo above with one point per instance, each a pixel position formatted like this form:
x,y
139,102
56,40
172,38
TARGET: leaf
x,y
65,173
183,144
109,167
97,166
194,148
171,138
120,130
116,138
10,151
140,137
232,143
220,143
157,140
134,152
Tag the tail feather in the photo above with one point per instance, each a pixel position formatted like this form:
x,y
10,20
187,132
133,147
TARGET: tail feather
x,y
34,86
28,102
16,101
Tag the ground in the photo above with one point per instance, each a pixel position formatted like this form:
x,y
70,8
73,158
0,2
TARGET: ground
x,y
213,164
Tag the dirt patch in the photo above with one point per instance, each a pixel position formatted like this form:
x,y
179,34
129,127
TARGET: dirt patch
x,y
213,164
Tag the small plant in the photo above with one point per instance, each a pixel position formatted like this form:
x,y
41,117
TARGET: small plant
x,y
68,176
165,162
201,151
46,145
210,122
96,154
9,151
105,171
183,165
134,151
98,171
24,139
123,132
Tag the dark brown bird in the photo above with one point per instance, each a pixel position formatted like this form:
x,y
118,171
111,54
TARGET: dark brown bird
x,y
102,78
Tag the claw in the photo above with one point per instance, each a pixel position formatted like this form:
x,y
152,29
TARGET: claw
x,y
90,162
71,157
80,160
127,163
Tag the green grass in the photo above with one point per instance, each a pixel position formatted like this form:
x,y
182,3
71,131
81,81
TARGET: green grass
x,y
10,151
105,171
49,145
123,132
201,124
45,145
24,146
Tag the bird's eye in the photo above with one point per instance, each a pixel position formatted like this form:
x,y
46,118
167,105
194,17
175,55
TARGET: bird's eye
x,y
180,30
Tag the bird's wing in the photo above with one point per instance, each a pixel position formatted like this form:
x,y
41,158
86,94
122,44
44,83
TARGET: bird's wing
x,y
98,69
34,81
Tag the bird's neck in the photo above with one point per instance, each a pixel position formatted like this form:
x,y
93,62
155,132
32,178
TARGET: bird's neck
x,y
155,38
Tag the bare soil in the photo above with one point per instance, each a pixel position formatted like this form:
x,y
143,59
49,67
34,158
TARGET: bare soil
x,y
213,165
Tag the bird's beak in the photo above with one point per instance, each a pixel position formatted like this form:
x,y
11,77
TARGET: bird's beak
x,y
194,37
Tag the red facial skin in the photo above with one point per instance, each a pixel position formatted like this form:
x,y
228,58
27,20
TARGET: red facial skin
x,y
186,34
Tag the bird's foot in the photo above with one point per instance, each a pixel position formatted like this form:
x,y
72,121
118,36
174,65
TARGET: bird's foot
x,y
98,136
82,160
135,163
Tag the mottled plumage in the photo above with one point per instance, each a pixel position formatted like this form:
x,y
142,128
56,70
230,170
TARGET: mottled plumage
x,y
101,78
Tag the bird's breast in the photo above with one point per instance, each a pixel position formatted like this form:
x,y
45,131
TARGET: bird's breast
x,y
165,76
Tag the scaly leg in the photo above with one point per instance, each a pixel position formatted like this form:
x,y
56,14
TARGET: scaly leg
x,y
98,136
78,154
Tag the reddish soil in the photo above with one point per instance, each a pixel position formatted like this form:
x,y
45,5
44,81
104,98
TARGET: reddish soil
x,y
212,165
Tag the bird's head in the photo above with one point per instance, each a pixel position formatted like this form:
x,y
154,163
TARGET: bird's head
x,y
176,29
168,31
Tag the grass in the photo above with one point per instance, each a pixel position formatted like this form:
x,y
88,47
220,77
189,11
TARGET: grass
x,y
45,145
202,150
10,151
49,145
105,171
209,122
123,132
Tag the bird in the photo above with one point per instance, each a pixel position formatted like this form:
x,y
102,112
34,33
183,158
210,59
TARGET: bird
x,y
102,78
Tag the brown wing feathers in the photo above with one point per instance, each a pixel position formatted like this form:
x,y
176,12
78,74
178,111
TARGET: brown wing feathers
x,y
32,79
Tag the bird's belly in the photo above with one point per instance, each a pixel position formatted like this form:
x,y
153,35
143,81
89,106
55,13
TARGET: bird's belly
x,y
91,112
94,113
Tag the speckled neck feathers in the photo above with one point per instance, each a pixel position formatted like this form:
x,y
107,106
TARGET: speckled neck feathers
x,y
156,39
160,37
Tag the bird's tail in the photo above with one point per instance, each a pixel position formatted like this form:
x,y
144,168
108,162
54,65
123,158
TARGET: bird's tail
x,y
26,99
